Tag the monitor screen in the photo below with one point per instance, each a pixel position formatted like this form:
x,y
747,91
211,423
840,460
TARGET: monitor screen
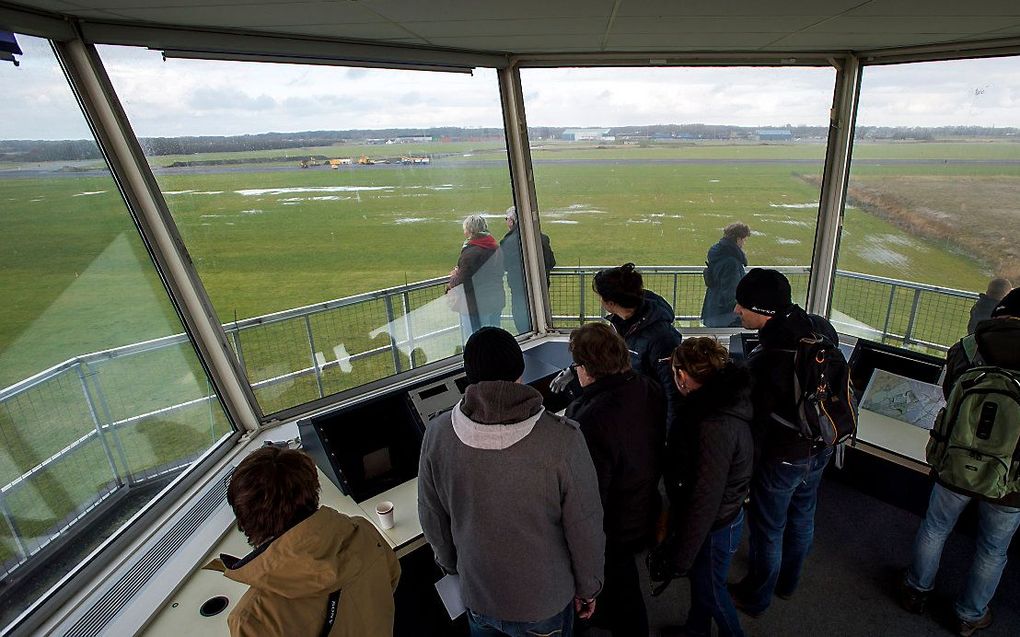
x,y
869,356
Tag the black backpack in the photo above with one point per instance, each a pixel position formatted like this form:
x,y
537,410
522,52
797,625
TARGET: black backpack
x,y
825,410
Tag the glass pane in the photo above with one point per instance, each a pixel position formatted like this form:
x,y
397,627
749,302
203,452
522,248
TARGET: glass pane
x,y
327,249
103,400
649,165
931,218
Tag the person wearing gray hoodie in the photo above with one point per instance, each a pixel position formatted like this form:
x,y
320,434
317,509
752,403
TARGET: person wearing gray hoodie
x,y
508,498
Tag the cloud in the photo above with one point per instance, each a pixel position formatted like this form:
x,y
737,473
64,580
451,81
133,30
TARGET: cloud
x,y
228,99
201,97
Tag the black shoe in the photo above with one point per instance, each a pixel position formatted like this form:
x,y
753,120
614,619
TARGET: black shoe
x,y
785,595
967,628
740,602
911,599
680,631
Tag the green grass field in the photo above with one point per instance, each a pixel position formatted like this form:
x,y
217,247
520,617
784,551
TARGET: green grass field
x,y
77,278
330,233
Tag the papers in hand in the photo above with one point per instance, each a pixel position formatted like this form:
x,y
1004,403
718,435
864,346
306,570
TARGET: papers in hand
x,y
449,592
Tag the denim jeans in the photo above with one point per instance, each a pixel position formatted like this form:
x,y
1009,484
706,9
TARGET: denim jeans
x,y
710,598
996,526
559,625
784,495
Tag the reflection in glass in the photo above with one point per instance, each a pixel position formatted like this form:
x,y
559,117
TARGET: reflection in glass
x,y
931,218
102,398
650,165
323,208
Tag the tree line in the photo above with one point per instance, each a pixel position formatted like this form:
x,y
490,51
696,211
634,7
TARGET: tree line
x,y
82,149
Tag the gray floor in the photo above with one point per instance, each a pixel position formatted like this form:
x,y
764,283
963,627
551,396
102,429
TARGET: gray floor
x,y
848,587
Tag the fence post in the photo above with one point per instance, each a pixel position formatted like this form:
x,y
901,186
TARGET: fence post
x,y
315,360
99,427
676,279
908,336
580,295
235,335
9,518
405,302
888,311
394,350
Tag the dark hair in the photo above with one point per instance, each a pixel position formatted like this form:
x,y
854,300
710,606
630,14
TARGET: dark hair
x,y
998,288
272,490
622,285
600,349
736,231
700,357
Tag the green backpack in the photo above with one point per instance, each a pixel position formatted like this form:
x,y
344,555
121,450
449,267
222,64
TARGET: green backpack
x,y
974,443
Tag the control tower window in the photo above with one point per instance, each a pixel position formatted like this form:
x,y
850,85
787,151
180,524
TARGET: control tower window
x,y
93,426
649,165
931,214
325,208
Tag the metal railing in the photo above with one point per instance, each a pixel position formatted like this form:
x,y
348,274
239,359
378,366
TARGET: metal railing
x,y
116,432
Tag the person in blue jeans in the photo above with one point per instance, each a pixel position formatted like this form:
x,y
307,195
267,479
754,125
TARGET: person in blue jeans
x,y
997,341
509,499
709,454
788,471
559,625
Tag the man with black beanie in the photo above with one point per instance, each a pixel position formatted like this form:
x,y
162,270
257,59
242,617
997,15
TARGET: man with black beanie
x,y
509,499
789,468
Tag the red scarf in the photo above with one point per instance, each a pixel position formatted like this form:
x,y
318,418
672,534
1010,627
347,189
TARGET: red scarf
x,y
486,241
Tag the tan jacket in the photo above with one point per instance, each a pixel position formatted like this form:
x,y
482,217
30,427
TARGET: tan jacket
x,y
291,580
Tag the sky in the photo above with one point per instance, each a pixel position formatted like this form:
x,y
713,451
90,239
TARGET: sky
x,y
192,97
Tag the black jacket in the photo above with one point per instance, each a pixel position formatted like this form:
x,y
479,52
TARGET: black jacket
x,y
771,365
480,271
998,342
723,271
982,311
621,418
510,244
709,460
651,339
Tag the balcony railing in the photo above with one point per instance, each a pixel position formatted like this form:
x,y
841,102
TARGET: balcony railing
x,y
110,443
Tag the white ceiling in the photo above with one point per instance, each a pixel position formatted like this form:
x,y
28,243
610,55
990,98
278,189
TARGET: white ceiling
x,y
552,26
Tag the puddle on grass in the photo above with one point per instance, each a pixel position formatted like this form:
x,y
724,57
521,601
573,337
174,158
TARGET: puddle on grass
x,y
87,193
805,206
883,256
254,192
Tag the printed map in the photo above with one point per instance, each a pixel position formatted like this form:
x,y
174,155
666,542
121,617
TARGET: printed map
x,y
906,399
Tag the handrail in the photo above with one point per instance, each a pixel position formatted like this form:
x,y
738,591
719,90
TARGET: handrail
x,y
580,274
314,308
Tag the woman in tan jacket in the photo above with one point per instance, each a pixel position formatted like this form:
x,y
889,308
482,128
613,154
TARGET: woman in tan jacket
x,y
314,571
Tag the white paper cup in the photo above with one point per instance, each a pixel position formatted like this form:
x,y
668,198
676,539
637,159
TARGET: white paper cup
x,y
385,512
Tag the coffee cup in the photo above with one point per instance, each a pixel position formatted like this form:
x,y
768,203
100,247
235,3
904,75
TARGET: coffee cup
x,y
385,512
